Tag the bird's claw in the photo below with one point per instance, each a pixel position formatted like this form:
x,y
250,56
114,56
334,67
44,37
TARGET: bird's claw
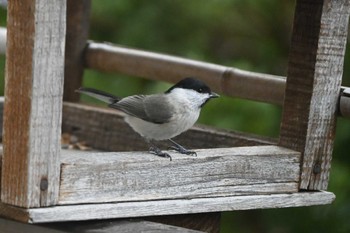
x,y
183,150
158,152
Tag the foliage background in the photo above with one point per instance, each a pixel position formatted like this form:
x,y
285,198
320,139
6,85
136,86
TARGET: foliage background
x,y
247,34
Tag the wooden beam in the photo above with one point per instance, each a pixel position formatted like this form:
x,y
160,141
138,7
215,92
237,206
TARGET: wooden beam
x,y
227,80
33,102
91,177
313,85
168,207
78,13
230,81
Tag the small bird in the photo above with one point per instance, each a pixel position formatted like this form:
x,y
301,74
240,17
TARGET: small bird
x,y
161,116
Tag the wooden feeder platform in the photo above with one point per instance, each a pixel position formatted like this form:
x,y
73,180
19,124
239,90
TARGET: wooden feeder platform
x,y
41,182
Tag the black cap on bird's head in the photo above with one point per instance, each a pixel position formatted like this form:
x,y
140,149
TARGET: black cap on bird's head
x,y
194,84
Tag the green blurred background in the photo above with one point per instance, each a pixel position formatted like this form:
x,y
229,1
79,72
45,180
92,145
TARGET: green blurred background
x,y
248,34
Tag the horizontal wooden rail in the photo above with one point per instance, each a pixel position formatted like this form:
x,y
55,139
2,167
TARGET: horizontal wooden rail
x,y
226,80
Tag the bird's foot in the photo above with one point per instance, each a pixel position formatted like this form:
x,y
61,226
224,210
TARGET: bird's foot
x,y
182,150
156,151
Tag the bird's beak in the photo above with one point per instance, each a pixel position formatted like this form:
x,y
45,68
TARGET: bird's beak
x,y
213,95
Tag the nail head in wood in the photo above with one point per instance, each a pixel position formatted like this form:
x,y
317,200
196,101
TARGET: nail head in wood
x,y
44,184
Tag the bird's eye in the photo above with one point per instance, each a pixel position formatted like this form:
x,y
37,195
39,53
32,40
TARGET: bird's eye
x,y
200,90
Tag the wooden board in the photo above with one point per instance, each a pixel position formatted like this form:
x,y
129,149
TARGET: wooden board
x,y
164,207
33,102
313,86
91,177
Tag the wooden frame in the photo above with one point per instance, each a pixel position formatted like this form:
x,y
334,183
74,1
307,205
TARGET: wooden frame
x,y
41,183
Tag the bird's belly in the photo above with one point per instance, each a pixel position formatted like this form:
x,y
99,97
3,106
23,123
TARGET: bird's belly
x,y
162,131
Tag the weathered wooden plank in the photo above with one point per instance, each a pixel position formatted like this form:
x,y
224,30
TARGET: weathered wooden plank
x,y
313,86
171,207
165,207
105,129
90,177
78,13
33,102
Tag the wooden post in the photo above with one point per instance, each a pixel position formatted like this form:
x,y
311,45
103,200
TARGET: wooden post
x,y
313,85
78,12
33,105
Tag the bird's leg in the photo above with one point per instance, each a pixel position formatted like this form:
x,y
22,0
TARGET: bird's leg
x,y
177,147
156,151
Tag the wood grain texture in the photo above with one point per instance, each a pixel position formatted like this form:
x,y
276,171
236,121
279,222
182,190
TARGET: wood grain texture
x,y
78,18
90,177
313,85
33,102
227,80
170,207
105,129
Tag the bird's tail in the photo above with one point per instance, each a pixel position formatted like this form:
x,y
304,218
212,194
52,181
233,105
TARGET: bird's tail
x,y
100,95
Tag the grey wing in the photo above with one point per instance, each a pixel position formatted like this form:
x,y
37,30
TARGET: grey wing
x,y
158,108
149,108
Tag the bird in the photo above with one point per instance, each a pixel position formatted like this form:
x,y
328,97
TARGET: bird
x,y
161,116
